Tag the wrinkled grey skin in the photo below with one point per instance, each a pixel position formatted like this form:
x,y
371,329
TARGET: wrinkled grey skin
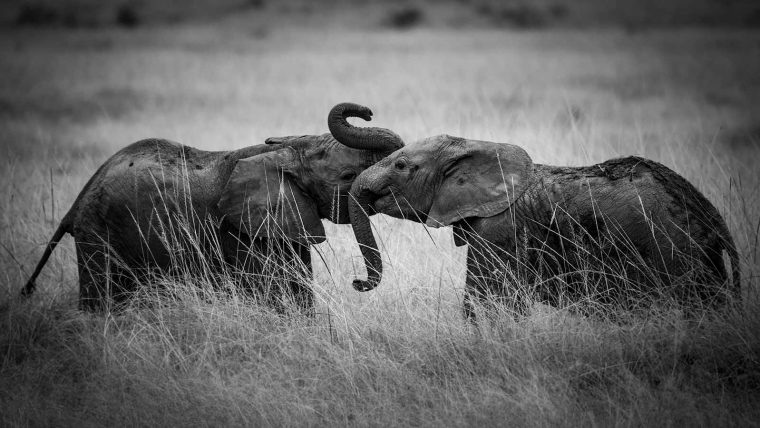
x,y
261,206
567,232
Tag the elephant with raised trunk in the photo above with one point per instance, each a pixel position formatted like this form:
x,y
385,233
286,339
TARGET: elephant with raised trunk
x,y
622,232
239,210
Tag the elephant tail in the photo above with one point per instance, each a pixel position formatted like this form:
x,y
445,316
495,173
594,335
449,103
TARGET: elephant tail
x,y
63,228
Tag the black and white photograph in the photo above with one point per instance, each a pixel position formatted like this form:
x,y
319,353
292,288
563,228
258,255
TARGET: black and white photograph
x,y
427,213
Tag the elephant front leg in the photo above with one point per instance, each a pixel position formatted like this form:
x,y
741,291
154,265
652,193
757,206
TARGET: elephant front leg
x,y
491,283
274,271
289,277
300,285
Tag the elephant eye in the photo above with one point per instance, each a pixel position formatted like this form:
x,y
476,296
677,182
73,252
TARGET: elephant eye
x,y
348,176
400,164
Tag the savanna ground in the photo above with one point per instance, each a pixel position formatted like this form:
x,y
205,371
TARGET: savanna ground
x,y
76,87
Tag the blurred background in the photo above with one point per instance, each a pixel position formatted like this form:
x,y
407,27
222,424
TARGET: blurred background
x,y
84,74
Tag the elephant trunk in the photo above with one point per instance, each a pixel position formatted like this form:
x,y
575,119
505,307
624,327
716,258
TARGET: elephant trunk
x,y
372,139
359,208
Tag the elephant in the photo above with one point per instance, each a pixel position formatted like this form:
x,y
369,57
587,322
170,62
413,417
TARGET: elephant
x,y
610,233
239,210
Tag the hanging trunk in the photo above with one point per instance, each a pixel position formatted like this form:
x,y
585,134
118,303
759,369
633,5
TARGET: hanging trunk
x,y
379,142
372,139
360,206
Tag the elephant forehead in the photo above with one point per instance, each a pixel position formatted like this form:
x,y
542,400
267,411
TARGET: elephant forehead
x,y
431,144
433,147
418,153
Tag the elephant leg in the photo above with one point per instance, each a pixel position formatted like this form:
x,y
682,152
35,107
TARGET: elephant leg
x,y
283,270
91,263
489,282
300,286
292,282
245,260
705,284
264,261
273,270
716,290
101,280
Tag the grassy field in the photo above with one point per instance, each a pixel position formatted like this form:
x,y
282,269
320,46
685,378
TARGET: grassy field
x,y
400,355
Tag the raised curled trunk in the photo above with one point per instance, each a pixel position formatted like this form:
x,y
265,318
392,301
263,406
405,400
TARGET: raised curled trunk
x,y
381,142
360,206
373,139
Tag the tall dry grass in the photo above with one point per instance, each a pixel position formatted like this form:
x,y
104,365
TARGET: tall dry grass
x,y
401,355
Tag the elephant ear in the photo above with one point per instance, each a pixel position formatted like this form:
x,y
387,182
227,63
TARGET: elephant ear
x,y
262,199
482,180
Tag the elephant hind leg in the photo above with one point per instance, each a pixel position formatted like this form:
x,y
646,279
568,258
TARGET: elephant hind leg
x,y
716,289
91,263
101,281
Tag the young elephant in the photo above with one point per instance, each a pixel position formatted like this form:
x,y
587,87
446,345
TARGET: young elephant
x,y
237,209
615,231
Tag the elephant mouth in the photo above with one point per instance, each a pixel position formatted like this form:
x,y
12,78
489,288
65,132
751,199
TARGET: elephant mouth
x,y
385,203
398,207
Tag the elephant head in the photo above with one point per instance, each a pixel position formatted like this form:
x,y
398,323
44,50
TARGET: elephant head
x,y
438,181
286,189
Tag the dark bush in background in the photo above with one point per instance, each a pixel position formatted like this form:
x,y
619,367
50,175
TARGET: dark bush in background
x,y
405,18
633,15
123,13
523,14
37,14
127,16
58,14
